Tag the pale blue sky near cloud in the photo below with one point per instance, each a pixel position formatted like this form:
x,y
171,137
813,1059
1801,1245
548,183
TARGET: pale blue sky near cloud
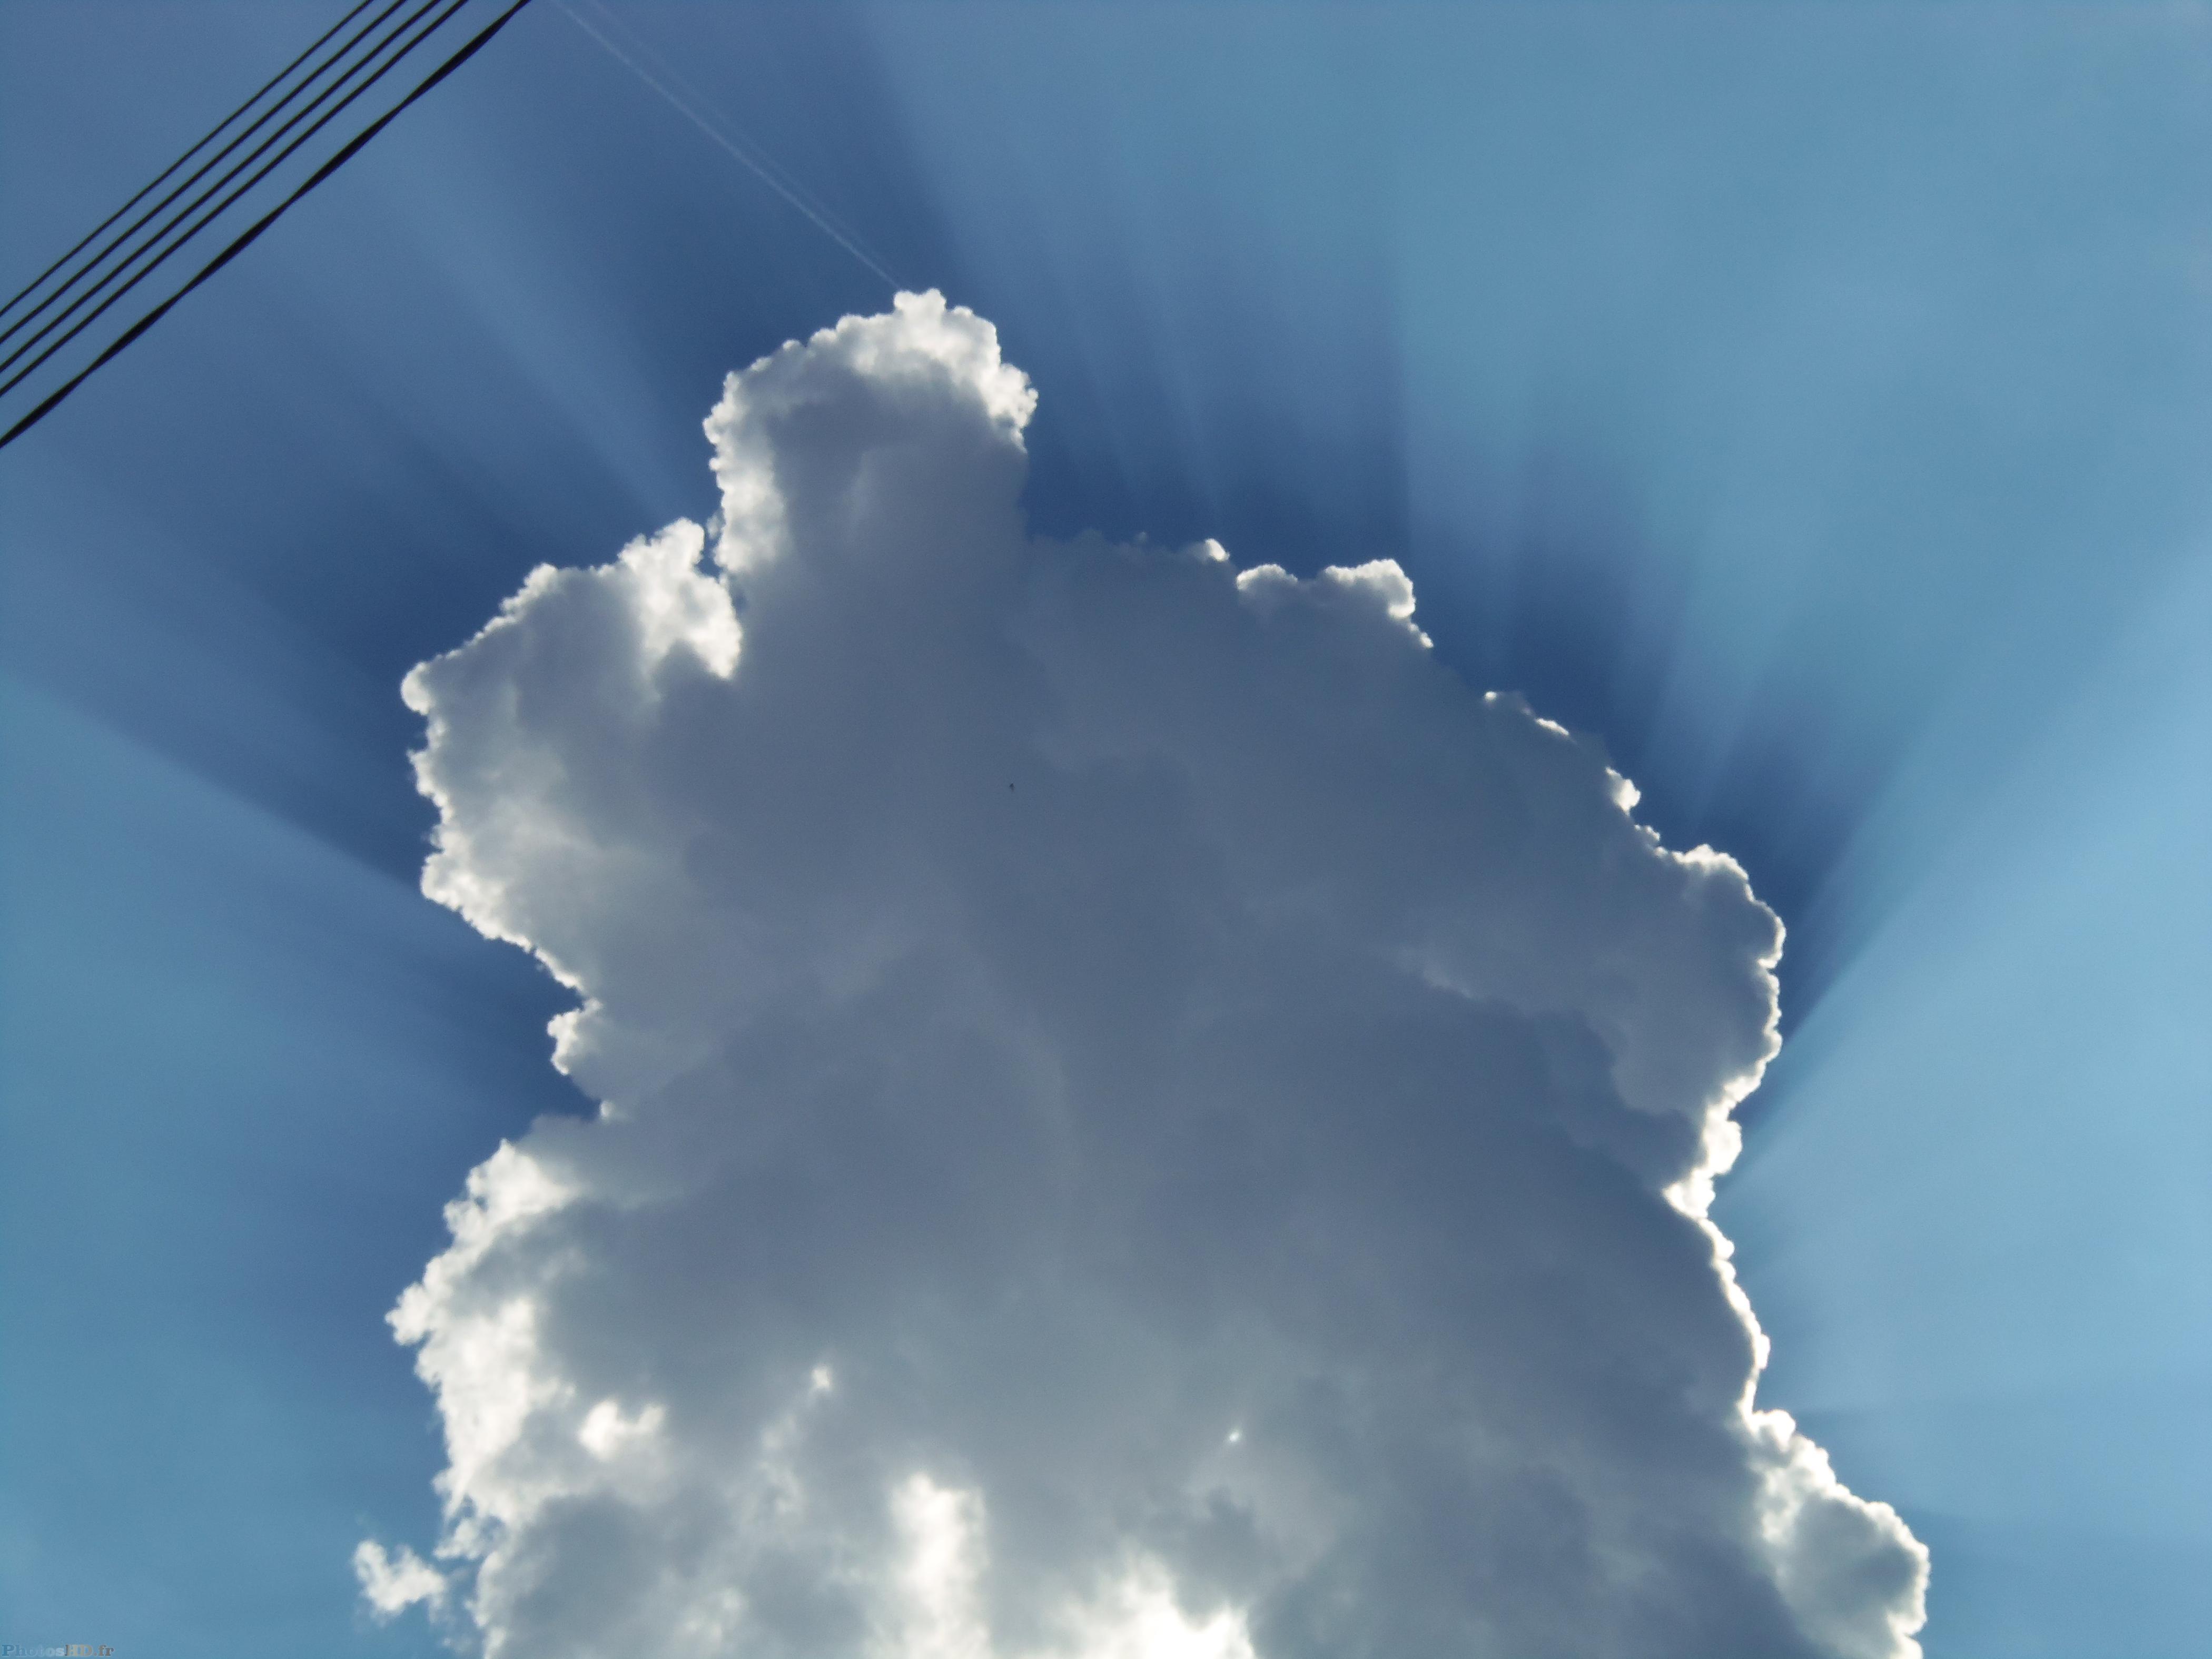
x,y
1811,401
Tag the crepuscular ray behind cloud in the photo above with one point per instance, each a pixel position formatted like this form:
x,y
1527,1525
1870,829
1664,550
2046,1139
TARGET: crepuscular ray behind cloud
x,y
1143,1118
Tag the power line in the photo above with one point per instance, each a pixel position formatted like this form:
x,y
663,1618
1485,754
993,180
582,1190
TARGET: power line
x,y
376,50
31,287
238,244
130,230
227,202
197,174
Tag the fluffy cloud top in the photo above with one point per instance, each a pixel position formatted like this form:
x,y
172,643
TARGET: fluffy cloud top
x,y
1143,1118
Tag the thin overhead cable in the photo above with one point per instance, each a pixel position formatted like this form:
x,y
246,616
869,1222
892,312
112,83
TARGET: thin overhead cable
x,y
212,133
239,243
210,214
78,277
765,170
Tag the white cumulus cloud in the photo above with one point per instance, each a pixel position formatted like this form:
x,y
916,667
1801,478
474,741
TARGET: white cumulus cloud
x,y
391,1585
1143,1118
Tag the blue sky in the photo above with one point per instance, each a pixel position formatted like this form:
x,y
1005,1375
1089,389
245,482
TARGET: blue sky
x,y
1810,401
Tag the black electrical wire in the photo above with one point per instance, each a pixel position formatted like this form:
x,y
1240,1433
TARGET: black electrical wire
x,y
263,91
239,243
85,297
279,108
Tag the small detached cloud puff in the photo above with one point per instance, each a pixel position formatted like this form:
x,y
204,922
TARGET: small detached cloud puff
x,y
1142,1119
